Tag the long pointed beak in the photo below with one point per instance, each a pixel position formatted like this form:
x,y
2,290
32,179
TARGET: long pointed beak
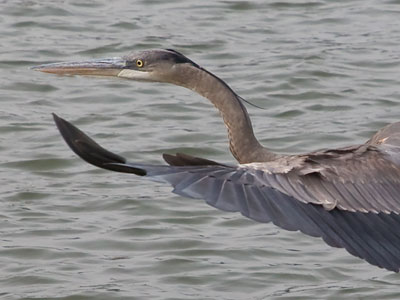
x,y
99,67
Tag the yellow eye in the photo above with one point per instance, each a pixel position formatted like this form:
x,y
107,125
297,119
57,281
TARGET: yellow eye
x,y
139,63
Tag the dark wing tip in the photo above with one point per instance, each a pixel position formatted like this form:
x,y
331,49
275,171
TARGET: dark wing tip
x,y
90,151
181,159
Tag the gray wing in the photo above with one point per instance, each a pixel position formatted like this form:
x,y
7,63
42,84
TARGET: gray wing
x,y
262,196
363,178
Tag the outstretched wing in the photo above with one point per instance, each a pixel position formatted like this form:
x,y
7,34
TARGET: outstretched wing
x,y
361,178
261,195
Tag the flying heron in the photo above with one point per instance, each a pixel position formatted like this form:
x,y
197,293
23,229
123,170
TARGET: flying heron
x,y
348,196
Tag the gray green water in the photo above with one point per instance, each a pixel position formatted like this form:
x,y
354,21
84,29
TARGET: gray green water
x,y
327,73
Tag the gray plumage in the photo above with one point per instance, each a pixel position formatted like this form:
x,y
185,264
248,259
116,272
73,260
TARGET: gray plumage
x,y
349,196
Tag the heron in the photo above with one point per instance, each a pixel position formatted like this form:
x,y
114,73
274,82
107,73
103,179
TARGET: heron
x,y
349,196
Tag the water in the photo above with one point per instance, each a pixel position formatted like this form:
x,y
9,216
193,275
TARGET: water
x,y
327,72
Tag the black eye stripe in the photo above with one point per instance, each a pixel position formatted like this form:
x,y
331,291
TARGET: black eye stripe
x,y
148,59
179,58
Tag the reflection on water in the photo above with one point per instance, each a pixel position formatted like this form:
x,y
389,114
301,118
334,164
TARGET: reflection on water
x,y
326,72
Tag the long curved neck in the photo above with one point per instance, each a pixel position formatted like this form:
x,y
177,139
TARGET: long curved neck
x,y
242,141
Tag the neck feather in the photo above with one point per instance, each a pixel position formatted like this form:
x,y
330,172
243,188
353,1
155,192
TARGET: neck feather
x,y
242,141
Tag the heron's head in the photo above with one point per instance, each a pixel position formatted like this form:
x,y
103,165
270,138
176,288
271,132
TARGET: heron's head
x,y
151,65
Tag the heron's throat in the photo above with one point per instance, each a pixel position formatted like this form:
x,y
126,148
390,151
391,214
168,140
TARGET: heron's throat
x,y
242,141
